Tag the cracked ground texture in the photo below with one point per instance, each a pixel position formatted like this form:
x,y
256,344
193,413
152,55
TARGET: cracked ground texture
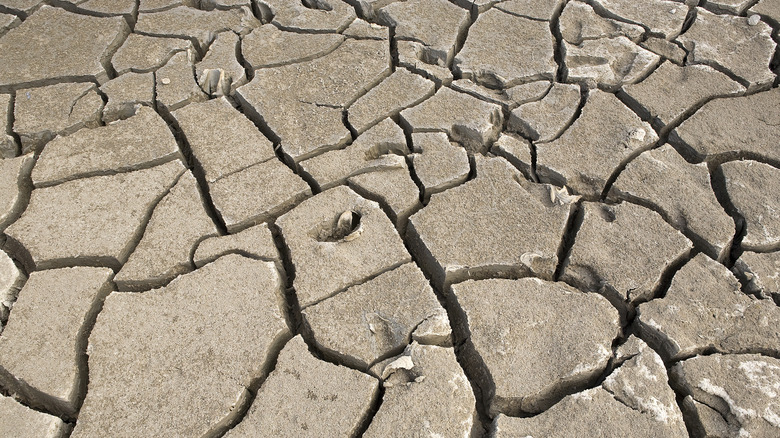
x,y
411,218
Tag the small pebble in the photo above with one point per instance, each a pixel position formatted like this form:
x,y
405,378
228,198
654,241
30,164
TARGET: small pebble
x,y
165,81
753,20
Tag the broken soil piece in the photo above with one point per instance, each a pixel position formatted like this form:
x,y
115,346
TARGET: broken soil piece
x,y
579,22
434,24
495,59
584,157
413,56
517,151
671,93
660,17
666,49
8,146
608,63
393,188
372,320
509,98
219,73
473,123
184,384
634,400
42,113
762,273
14,187
222,139
11,281
705,311
533,352
257,194
177,224
736,7
400,90
304,394
450,237
748,184
143,140
741,388
381,147
682,193
269,46
731,43
126,93
49,33
546,119
176,86
323,265
314,16
255,242
41,350
622,251
729,128
143,53
438,163
22,422
96,220
426,392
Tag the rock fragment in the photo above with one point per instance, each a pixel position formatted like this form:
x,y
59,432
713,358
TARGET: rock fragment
x,y
255,242
178,223
579,22
761,272
622,251
740,388
473,123
222,139
608,63
373,320
434,24
747,184
545,120
270,46
400,90
143,53
438,164
730,128
492,56
304,395
671,93
515,211
42,113
381,147
257,194
634,400
583,158
143,140
327,262
8,146
176,86
393,188
311,15
661,17
94,219
42,347
303,103
731,43
532,351
222,322
20,421
126,93
426,392
44,43
14,187
682,193
704,311
11,281
219,73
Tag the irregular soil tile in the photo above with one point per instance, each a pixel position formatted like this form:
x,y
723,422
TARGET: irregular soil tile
x,y
11,281
42,346
426,393
318,15
142,53
8,146
762,272
175,361
705,311
746,184
393,188
538,10
126,93
661,17
545,120
438,163
373,320
533,351
22,422
93,219
255,242
270,46
579,22
219,73
608,63
517,151
14,187
176,86
329,257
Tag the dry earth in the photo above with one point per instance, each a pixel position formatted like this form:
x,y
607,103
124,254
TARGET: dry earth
x,y
439,218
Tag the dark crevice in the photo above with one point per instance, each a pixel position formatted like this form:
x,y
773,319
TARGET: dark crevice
x,y
667,276
558,51
368,418
393,48
718,182
6,10
248,70
345,119
622,166
293,309
573,225
195,166
463,34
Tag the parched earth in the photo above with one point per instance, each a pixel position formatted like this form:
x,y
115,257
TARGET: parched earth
x,y
411,218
